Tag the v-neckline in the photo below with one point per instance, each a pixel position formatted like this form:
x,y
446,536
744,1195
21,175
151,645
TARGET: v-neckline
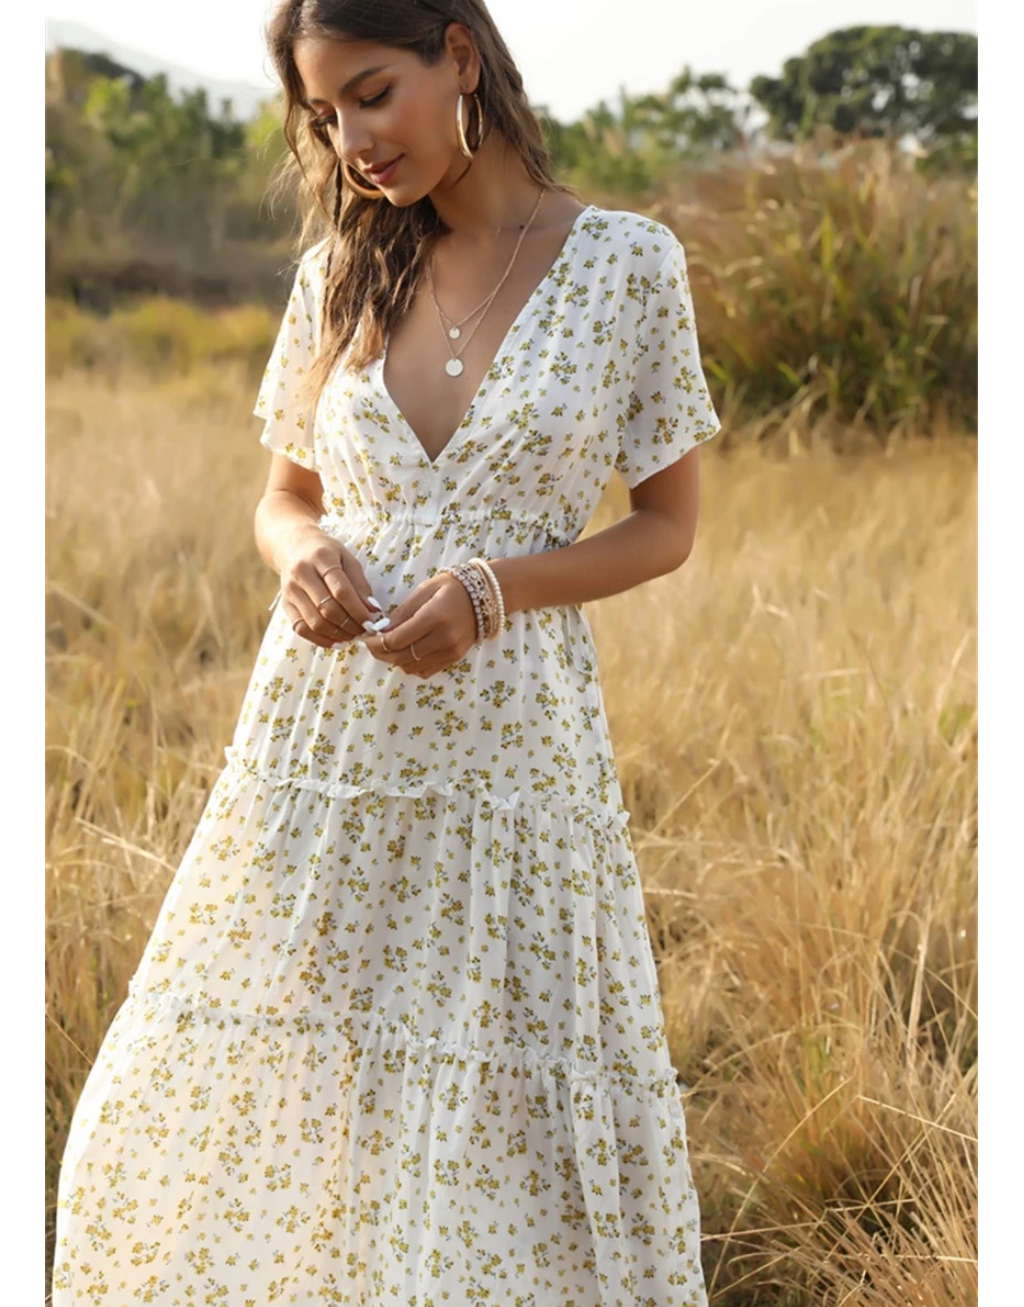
x,y
564,253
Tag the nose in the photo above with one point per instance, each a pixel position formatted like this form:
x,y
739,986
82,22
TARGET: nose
x,y
351,141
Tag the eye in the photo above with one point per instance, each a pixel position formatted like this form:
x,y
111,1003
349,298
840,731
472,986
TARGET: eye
x,y
377,99
321,124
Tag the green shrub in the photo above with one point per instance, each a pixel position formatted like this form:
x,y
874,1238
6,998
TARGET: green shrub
x,y
848,286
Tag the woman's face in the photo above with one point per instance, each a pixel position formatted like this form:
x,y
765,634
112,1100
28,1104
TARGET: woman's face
x,y
378,103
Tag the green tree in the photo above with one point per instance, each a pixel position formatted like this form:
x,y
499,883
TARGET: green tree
x,y
877,81
697,115
174,162
641,141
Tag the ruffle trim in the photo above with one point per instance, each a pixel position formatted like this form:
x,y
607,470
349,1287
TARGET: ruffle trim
x,y
513,1058
516,800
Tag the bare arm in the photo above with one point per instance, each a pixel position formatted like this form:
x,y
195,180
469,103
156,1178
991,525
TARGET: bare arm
x,y
657,537
323,588
292,503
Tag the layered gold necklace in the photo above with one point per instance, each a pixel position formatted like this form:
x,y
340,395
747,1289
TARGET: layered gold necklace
x,y
453,330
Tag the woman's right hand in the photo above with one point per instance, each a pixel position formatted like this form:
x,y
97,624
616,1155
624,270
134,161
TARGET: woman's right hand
x,y
324,591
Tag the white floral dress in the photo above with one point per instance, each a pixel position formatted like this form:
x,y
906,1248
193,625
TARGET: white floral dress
x,y
396,1039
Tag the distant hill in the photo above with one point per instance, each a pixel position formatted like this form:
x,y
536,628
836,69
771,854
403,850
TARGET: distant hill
x,y
245,99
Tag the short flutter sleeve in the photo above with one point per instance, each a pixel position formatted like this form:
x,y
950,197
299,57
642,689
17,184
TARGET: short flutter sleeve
x,y
287,414
669,409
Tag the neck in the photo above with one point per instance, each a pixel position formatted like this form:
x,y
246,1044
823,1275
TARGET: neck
x,y
491,193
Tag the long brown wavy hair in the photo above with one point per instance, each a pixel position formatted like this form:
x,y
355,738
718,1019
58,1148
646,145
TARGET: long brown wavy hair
x,y
377,251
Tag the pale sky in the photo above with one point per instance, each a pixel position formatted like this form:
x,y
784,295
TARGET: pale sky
x,y
572,53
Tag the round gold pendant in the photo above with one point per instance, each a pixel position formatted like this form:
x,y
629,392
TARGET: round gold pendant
x,y
454,367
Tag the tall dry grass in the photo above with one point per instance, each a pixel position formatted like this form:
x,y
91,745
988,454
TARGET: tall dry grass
x,y
794,715
807,823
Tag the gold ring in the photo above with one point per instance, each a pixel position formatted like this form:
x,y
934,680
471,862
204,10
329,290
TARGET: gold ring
x,y
384,641
296,625
414,653
325,600
336,568
348,618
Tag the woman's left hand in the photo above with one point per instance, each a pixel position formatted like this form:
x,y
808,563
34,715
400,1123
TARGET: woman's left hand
x,y
431,630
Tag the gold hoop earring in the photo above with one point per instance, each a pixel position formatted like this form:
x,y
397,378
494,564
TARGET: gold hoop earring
x,y
360,186
463,143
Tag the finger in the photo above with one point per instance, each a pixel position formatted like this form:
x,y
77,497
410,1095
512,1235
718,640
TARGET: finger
x,y
422,654
442,606
429,667
316,597
427,622
322,611
325,631
304,632
422,639
374,643
346,583
391,651
332,611
408,608
412,630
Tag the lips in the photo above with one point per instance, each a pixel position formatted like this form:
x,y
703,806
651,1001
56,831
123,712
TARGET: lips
x,y
382,172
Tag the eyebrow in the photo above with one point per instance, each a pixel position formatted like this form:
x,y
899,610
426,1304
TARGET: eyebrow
x,y
354,81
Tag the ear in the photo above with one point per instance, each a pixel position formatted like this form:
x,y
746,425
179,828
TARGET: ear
x,y
462,49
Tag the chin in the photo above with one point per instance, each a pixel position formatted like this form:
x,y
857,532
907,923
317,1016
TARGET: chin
x,y
409,197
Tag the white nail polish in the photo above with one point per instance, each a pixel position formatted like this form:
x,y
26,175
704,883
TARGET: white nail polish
x,y
369,626
374,604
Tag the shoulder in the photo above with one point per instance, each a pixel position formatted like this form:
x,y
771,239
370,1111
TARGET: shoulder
x,y
315,256
311,268
641,244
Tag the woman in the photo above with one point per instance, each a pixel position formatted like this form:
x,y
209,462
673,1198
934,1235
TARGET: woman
x,y
397,1036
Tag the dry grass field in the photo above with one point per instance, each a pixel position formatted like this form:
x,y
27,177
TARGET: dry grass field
x,y
795,718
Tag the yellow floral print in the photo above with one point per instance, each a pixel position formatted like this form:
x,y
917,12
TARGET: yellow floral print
x,y
396,1039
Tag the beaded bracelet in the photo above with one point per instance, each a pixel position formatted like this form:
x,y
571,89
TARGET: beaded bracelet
x,y
480,593
487,600
458,571
485,593
499,599
470,578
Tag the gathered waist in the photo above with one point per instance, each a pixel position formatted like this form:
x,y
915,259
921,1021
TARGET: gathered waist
x,y
428,536
517,524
